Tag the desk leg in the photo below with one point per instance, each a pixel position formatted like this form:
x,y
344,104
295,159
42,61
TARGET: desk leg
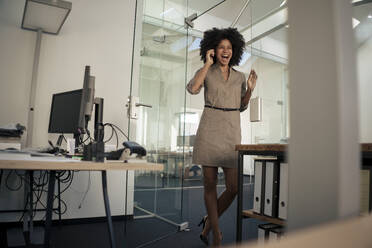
x,y
28,218
31,210
3,236
370,190
59,201
240,199
107,208
49,208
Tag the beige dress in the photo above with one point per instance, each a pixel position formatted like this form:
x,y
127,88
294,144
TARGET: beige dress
x,y
219,131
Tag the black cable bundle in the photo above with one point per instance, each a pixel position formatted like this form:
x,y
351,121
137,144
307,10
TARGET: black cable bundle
x,y
113,131
40,182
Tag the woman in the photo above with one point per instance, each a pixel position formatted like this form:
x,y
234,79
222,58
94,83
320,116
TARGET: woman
x,y
226,94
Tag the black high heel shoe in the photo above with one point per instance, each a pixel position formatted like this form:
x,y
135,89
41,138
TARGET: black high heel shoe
x,y
203,221
203,238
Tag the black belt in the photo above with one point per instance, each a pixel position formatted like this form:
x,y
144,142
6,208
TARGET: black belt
x,y
223,109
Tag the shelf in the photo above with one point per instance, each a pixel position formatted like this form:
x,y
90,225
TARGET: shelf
x,y
251,214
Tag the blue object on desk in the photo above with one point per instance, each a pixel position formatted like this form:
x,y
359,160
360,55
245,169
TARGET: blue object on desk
x,y
135,148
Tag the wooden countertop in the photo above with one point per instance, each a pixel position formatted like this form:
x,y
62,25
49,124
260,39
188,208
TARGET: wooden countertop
x,y
77,165
365,147
251,214
262,147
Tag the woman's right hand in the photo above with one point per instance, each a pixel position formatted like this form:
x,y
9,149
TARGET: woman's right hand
x,y
209,57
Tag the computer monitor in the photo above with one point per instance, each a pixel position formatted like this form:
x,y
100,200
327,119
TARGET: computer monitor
x,y
71,111
65,112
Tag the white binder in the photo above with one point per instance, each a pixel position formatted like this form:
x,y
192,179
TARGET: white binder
x,y
271,189
276,234
273,236
283,191
261,236
264,232
259,186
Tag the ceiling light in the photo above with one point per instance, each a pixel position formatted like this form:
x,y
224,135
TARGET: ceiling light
x,y
355,22
284,2
47,15
369,16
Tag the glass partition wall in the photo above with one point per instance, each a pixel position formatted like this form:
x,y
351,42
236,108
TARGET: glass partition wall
x,y
166,128
169,57
169,52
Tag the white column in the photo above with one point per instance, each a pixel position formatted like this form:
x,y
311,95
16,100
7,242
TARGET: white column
x,y
324,163
31,107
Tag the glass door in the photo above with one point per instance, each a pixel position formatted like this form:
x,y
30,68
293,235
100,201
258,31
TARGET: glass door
x,y
161,46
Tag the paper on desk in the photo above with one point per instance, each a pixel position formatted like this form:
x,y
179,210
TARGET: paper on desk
x,y
33,157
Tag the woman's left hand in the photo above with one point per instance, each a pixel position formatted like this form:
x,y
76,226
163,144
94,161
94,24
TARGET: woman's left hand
x,y
252,79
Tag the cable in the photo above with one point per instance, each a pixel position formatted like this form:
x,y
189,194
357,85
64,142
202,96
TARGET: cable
x,y
1,176
114,131
69,183
24,211
88,133
86,192
118,128
38,188
66,179
7,182
112,134
117,138
39,183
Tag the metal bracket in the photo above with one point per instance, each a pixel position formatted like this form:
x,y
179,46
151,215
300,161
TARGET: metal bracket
x,y
240,13
189,20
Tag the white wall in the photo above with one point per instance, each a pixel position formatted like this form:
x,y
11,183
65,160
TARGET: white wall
x,y
364,61
16,49
96,33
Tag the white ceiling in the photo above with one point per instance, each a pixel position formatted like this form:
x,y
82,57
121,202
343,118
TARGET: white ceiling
x,y
229,9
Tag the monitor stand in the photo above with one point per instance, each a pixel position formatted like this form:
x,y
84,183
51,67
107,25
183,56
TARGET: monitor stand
x,y
95,151
77,138
59,140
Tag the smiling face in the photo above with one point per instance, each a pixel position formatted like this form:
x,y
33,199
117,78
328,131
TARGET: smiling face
x,y
224,52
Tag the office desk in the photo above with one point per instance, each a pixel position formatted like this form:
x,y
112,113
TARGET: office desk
x,y
345,233
35,163
279,151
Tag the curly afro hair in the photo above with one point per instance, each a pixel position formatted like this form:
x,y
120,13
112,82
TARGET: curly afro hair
x,y
214,36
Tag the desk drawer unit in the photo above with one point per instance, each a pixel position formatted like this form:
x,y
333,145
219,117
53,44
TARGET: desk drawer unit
x,y
259,186
271,189
276,234
264,232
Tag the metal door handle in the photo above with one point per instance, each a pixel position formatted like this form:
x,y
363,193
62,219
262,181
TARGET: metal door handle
x,y
143,105
132,104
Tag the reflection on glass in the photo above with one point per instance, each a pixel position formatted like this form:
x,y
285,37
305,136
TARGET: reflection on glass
x,y
169,58
161,129
362,12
